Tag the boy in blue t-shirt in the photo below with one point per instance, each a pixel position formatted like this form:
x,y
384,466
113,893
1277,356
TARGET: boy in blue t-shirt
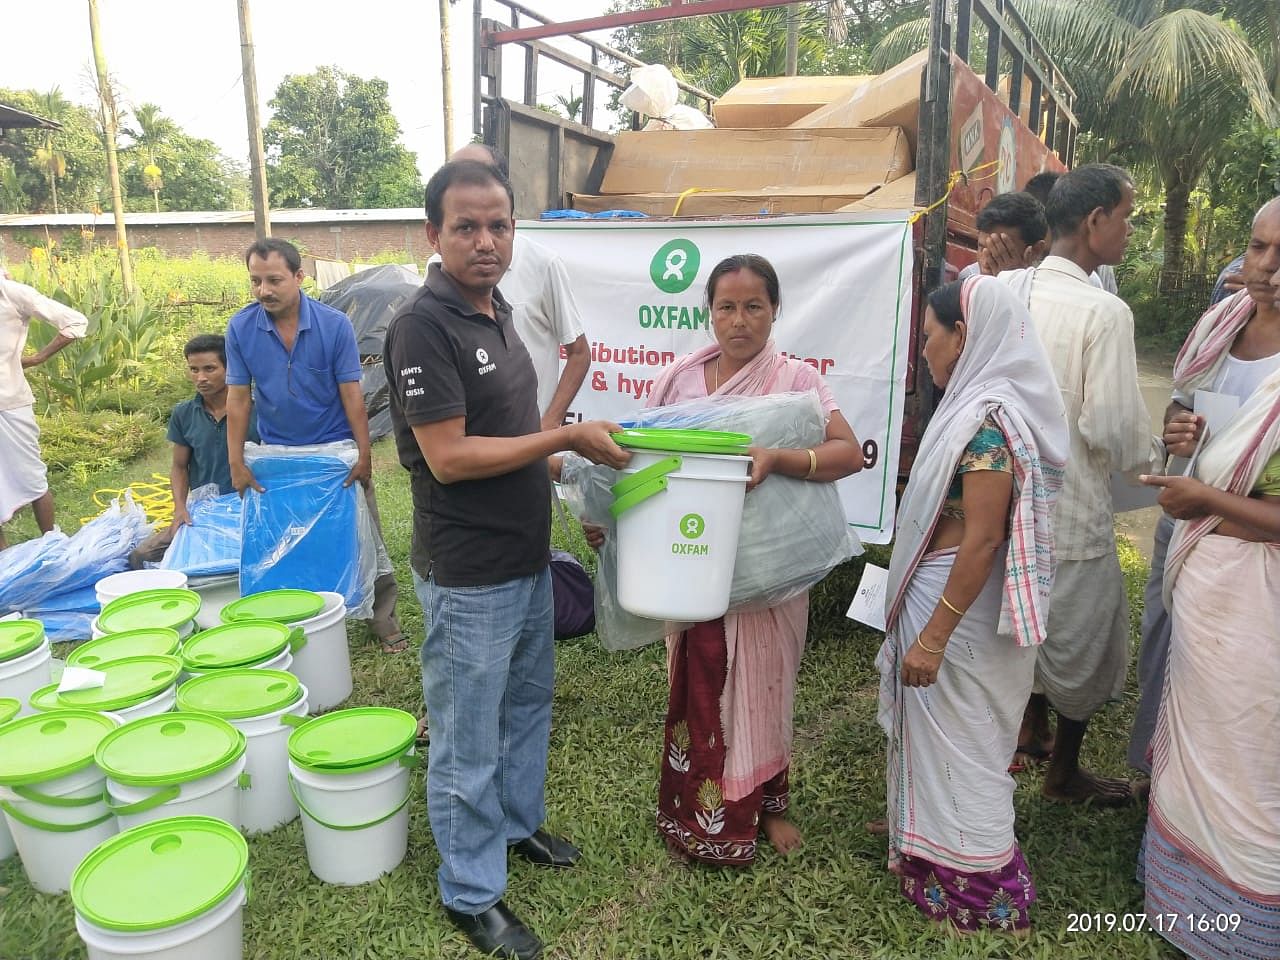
x,y
198,432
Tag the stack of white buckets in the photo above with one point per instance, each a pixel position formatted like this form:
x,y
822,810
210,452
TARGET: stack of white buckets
x,y
133,808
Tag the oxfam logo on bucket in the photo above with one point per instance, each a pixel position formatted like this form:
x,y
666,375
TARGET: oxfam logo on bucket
x,y
675,266
692,526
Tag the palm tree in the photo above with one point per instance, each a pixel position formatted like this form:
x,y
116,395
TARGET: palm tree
x,y
1163,82
110,121
52,161
153,130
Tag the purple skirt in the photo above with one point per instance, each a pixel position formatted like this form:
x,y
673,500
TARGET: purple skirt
x,y
994,900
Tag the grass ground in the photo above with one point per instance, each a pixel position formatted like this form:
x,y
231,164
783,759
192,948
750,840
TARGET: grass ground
x,y
627,899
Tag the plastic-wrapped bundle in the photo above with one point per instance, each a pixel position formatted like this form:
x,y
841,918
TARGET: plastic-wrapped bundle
x,y
55,564
67,615
210,545
793,534
307,530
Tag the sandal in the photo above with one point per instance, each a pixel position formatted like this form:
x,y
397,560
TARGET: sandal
x,y
398,645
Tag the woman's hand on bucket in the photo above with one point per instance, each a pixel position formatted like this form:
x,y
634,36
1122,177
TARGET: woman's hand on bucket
x,y
763,462
594,534
593,440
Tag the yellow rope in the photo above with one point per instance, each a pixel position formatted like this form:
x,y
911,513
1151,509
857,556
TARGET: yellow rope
x,y
691,191
153,496
952,181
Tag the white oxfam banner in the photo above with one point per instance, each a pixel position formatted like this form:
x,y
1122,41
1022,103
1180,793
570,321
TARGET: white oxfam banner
x,y
845,309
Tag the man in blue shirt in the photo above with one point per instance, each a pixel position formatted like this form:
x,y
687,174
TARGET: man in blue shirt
x,y
300,357
198,432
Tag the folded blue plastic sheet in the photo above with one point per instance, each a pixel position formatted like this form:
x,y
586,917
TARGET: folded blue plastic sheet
x,y
302,531
210,545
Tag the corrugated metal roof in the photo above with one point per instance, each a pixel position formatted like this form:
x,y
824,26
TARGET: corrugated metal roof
x,y
213,217
11,118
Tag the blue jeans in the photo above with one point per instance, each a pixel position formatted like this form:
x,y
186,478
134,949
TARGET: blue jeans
x,y
488,667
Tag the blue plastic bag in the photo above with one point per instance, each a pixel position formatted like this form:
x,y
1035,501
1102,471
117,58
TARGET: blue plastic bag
x,y
303,531
211,544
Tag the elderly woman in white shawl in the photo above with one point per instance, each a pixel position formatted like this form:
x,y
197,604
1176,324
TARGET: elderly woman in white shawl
x,y
974,531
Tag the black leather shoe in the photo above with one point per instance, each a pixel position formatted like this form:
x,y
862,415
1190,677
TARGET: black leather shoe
x,y
547,850
498,932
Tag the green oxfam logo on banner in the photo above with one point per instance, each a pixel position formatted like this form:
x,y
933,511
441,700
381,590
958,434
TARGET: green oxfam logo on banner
x,y
675,266
692,526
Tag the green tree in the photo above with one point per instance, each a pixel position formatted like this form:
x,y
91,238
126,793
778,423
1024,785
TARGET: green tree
x,y
1162,84
333,142
80,165
180,172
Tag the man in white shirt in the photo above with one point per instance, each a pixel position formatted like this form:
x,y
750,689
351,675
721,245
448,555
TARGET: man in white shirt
x,y
23,477
545,314
1088,335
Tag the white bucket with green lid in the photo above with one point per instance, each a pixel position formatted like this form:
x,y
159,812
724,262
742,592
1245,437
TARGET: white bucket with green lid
x,y
24,660
137,581
215,593
264,705
171,608
51,792
678,506
146,642
173,889
350,775
260,644
177,764
324,664
8,710
134,687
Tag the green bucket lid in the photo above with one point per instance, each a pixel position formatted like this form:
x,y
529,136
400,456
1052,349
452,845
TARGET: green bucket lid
x,y
19,637
46,746
235,645
128,682
346,741
9,708
150,641
282,606
169,748
237,694
684,441
159,875
149,608
45,699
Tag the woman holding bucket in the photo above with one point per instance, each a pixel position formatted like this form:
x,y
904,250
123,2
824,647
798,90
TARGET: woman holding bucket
x,y
733,679
974,530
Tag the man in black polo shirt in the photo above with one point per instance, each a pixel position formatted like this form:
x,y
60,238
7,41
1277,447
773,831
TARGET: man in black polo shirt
x,y
198,432
465,410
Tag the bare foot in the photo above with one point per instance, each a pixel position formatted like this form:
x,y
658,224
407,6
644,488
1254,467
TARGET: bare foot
x,y
677,853
1086,787
782,833
877,828
421,735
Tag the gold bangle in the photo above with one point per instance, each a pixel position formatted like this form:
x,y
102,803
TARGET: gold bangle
x,y
940,650
950,606
813,462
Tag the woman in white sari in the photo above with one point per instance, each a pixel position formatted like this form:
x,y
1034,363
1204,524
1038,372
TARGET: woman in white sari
x,y
974,530
1211,855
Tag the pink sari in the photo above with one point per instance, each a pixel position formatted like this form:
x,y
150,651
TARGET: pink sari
x,y
727,746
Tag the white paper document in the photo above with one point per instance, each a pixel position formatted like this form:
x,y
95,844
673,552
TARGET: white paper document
x,y
868,602
1218,409
1130,493
81,678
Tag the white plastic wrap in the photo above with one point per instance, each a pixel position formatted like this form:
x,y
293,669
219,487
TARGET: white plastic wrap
x,y
794,532
373,560
654,93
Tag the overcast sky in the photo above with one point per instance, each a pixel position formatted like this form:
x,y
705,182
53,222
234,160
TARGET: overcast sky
x,y
185,57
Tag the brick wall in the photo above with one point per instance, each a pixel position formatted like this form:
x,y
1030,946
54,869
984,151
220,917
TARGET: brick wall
x,y
332,241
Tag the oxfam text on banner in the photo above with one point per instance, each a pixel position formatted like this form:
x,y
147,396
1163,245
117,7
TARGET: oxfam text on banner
x,y
846,299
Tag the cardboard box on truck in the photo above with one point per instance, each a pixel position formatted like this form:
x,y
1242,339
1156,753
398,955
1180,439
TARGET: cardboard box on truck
x,y
890,99
672,161
779,101
899,195
729,203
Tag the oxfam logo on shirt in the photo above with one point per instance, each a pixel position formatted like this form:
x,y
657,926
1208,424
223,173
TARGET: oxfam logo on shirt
x,y
692,526
675,266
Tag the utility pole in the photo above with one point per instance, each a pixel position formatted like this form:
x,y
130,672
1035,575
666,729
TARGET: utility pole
x,y
257,162
793,39
107,107
446,77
